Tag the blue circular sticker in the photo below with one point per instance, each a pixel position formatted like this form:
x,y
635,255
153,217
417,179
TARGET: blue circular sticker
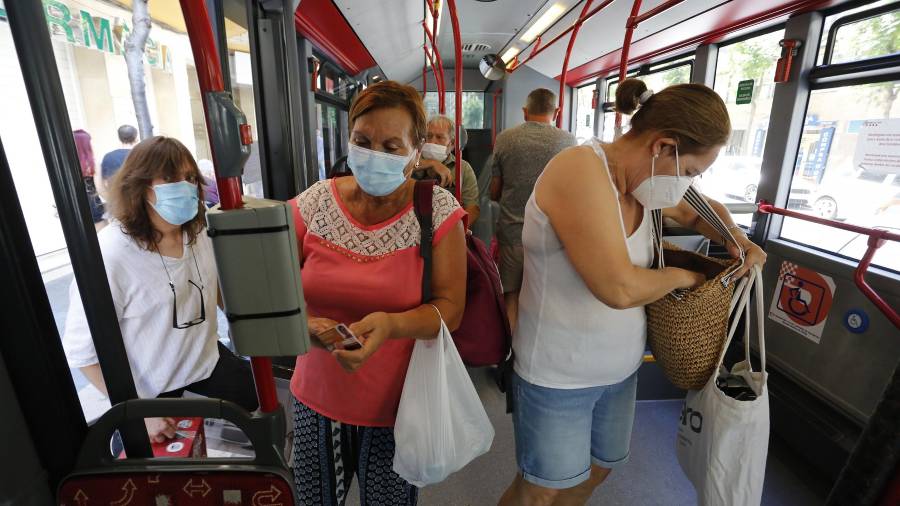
x,y
856,321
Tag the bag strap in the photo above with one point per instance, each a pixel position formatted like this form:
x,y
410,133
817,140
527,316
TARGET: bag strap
x,y
699,203
423,205
740,303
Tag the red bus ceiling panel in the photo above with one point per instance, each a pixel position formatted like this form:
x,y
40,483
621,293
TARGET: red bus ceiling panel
x,y
708,27
321,22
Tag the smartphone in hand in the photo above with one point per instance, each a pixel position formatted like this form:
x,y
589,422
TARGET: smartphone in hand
x,y
340,337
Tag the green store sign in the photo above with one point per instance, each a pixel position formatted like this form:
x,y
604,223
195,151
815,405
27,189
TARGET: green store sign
x,y
744,92
103,34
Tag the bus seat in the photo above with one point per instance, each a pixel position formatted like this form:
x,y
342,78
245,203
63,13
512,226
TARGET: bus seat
x,y
100,479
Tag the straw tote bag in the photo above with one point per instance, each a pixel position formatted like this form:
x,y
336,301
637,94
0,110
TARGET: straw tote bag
x,y
687,328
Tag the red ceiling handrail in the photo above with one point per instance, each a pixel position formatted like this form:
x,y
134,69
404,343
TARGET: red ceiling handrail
x,y
494,98
437,81
565,67
877,239
578,22
633,21
439,76
457,67
630,25
209,75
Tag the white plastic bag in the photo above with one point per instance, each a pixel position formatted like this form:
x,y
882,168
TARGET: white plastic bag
x,y
723,442
441,424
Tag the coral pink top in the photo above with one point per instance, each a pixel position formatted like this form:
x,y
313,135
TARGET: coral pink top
x,y
350,270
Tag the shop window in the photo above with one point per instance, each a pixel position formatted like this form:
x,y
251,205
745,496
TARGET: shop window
x,y
848,169
584,113
745,80
473,107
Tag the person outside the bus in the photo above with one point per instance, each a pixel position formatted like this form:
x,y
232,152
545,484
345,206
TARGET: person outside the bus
x,y
164,284
90,177
113,160
360,265
439,161
581,333
520,154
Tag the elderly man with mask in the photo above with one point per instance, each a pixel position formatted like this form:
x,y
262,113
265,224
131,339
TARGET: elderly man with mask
x,y
439,162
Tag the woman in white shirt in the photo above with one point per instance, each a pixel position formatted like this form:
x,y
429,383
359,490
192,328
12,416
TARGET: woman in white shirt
x,y
581,331
162,275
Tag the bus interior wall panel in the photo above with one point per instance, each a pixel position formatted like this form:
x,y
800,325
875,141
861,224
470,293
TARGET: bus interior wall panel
x,y
278,74
703,71
31,346
322,22
846,369
23,481
33,47
710,26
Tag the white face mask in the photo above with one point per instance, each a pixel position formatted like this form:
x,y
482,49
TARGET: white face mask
x,y
432,151
660,192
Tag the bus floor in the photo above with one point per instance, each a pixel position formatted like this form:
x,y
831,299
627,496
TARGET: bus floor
x,y
651,477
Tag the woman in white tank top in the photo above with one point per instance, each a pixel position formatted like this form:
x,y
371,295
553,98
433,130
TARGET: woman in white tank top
x,y
581,332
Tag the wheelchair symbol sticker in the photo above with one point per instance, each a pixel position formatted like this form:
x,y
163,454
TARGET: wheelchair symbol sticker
x,y
802,300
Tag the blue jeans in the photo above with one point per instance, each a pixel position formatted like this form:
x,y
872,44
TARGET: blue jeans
x,y
561,432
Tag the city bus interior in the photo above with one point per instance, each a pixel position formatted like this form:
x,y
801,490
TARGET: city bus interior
x,y
811,173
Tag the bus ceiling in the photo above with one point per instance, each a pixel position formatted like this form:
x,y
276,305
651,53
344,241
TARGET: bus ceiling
x,y
360,34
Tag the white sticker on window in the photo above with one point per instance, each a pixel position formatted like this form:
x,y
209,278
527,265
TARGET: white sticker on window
x,y
878,147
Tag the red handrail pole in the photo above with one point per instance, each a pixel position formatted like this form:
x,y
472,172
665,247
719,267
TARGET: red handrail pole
x,y
439,75
876,240
626,47
536,51
859,278
494,117
434,70
565,67
765,207
209,75
656,10
458,64
424,65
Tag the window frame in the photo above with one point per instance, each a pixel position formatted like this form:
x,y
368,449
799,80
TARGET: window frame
x,y
822,76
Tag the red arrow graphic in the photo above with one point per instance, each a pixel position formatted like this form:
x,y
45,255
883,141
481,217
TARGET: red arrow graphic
x,y
269,496
191,488
81,498
128,494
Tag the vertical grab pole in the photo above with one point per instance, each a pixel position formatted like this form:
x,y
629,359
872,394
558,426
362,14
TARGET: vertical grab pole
x,y
626,46
457,46
565,67
438,69
209,74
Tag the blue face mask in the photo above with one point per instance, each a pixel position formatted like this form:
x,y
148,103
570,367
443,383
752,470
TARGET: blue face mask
x,y
177,203
377,173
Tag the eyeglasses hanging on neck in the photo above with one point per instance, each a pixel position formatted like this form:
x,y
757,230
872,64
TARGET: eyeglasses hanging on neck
x,y
198,320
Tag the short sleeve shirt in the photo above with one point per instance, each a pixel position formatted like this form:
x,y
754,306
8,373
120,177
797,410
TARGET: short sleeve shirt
x,y
350,270
520,155
112,162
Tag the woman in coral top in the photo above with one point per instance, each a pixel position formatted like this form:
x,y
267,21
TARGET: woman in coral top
x,y
360,263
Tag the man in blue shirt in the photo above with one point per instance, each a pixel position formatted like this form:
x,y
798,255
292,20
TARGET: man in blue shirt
x,y
113,160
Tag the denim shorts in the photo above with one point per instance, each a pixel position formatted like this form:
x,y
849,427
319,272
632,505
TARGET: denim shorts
x,y
561,432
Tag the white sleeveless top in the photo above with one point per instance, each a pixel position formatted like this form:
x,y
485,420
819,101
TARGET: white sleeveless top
x,y
566,338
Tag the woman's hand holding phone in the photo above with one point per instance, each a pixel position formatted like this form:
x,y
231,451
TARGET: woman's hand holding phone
x,y
318,328
371,332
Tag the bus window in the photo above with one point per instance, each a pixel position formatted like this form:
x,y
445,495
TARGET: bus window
x,y
847,167
857,39
584,113
665,74
744,79
473,107
843,171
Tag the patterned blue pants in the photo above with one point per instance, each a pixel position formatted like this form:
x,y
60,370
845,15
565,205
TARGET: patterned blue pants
x,y
327,454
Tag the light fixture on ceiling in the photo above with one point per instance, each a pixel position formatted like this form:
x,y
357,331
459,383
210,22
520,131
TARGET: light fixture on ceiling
x,y
547,18
510,54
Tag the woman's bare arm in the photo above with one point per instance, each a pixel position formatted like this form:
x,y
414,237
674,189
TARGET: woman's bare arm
x,y
576,195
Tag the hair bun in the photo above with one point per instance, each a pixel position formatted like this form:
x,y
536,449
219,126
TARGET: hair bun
x,y
629,95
